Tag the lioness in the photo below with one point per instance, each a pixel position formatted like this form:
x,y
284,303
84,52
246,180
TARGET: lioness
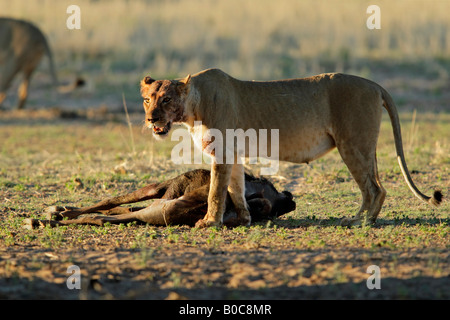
x,y
22,46
313,116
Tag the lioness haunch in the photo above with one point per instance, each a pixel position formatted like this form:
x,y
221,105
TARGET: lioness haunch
x,y
183,201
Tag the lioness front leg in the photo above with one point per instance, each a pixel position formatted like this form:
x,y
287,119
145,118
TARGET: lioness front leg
x,y
237,194
220,179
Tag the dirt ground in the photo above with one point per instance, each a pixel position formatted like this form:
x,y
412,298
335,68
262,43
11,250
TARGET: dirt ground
x,y
226,271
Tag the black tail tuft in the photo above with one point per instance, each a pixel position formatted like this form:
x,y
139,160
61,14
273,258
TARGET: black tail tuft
x,y
437,198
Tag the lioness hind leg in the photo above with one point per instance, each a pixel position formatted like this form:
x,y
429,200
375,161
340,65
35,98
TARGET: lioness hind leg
x,y
363,167
23,90
7,74
2,96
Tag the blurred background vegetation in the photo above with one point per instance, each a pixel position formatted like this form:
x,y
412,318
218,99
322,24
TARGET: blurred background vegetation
x,y
121,41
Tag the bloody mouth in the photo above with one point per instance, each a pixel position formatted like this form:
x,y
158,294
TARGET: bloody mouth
x,y
161,130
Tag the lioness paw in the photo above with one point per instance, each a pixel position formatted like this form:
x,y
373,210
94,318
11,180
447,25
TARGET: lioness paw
x,y
355,221
202,223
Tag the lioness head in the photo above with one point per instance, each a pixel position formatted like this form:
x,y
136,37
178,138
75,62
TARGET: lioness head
x,y
164,103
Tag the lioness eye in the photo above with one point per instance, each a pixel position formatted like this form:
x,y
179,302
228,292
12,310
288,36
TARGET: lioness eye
x,y
167,99
147,101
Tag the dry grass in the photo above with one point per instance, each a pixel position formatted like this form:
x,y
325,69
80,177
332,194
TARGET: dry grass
x,y
263,39
121,41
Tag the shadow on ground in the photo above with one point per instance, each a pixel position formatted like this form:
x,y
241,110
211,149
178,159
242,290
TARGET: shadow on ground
x,y
391,288
380,223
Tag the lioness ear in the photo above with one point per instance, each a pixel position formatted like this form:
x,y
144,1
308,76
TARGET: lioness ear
x,y
147,80
186,80
144,82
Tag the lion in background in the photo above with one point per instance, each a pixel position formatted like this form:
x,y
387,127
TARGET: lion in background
x,y
22,46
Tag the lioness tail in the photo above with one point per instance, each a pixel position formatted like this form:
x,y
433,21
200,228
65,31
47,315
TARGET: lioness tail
x,y
389,105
